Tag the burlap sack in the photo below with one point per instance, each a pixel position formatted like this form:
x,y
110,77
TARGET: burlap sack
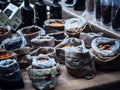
x,y
59,37
53,25
14,43
10,75
49,51
69,42
107,53
7,55
18,45
88,37
42,75
31,32
43,41
74,26
79,62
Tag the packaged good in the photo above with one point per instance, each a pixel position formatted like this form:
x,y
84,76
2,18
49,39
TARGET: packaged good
x,y
31,32
43,41
7,55
106,52
42,73
53,25
14,43
64,47
74,26
79,62
58,36
88,37
10,75
19,46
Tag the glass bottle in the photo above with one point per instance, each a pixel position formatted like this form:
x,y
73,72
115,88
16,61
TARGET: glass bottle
x,y
79,5
14,2
69,3
3,4
116,15
106,6
55,10
27,14
97,10
41,12
90,6
19,2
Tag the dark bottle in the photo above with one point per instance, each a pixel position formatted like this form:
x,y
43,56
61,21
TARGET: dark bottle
x,y
69,3
17,2
90,6
3,4
10,75
116,15
55,10
97,10
14,2
79,5
41,12
27,14
106,6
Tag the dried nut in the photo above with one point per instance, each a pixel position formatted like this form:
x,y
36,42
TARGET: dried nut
x,y
56,24
69,46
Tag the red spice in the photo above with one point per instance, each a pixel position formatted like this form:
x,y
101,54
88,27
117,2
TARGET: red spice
x,y
6,55
3,30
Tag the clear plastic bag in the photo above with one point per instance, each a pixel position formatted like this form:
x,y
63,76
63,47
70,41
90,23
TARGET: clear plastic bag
x,y
116,15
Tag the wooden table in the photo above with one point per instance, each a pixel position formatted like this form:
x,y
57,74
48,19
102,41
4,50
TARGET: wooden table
x,y
103,80
68,82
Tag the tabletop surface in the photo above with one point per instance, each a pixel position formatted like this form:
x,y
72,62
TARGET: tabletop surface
x,y
67,82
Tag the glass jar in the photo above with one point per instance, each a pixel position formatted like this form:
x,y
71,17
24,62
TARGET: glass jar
x,y
116,15
106,6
